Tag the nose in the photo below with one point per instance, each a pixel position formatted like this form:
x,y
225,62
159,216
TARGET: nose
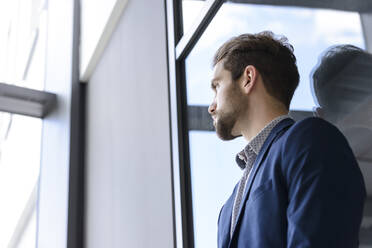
x,y
212,108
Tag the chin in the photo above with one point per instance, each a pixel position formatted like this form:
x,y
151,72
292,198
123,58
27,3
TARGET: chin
x,y
224,132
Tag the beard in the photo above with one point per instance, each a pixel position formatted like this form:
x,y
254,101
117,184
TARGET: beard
x,y
226,121
225,124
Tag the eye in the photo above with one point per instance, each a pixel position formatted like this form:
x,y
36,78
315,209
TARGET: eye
x,y
215,85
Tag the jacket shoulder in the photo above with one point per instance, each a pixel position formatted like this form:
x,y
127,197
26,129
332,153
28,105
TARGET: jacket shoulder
x,y
313,131
315,144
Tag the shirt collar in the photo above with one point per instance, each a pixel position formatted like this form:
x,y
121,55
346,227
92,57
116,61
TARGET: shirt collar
x,y
255,144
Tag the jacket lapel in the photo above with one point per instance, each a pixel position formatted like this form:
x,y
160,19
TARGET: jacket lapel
x,y
279,127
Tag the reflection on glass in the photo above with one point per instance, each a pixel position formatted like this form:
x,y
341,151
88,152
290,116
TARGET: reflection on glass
x,y
22,42
19,170
213,169
342,83
23,26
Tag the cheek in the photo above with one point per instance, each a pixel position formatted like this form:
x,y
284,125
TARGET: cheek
x,y
223,103
220,99
228,97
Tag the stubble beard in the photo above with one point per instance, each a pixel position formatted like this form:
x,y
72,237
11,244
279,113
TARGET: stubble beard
x,y
224,128
226,122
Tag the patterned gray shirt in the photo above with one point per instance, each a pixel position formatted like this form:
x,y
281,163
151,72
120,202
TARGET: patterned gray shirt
x,y
256,143
245,160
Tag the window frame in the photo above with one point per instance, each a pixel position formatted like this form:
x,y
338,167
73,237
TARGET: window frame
x,y
180,45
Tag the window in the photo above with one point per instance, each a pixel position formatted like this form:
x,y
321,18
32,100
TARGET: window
x,y
207,165
19,172
191,10
22,63
23,37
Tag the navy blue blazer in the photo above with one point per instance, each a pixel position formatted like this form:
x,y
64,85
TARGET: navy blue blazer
x,y
305,190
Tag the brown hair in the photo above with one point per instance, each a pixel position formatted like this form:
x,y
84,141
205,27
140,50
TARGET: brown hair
x,y
272,57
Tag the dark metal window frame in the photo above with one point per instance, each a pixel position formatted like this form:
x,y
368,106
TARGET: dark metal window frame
x,y
76,195
184,118
179,46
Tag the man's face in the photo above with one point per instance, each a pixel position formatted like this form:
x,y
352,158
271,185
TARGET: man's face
x,y
227,104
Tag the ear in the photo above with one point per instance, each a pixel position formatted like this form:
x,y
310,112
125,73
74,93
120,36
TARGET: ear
x,y
249,78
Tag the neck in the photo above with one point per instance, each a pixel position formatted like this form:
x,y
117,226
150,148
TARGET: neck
x,y
257,119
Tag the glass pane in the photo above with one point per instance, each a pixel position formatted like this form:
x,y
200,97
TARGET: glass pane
x,y
19,170
22,43
23,26
214,171
323,29
214,174
29,239
190,11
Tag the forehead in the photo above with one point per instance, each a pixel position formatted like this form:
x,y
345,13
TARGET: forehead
x,y
220,71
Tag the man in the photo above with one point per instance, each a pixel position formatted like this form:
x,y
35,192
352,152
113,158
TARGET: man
x,y
301,185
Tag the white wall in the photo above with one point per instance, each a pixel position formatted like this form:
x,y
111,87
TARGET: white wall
x,y
98,19
128,170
